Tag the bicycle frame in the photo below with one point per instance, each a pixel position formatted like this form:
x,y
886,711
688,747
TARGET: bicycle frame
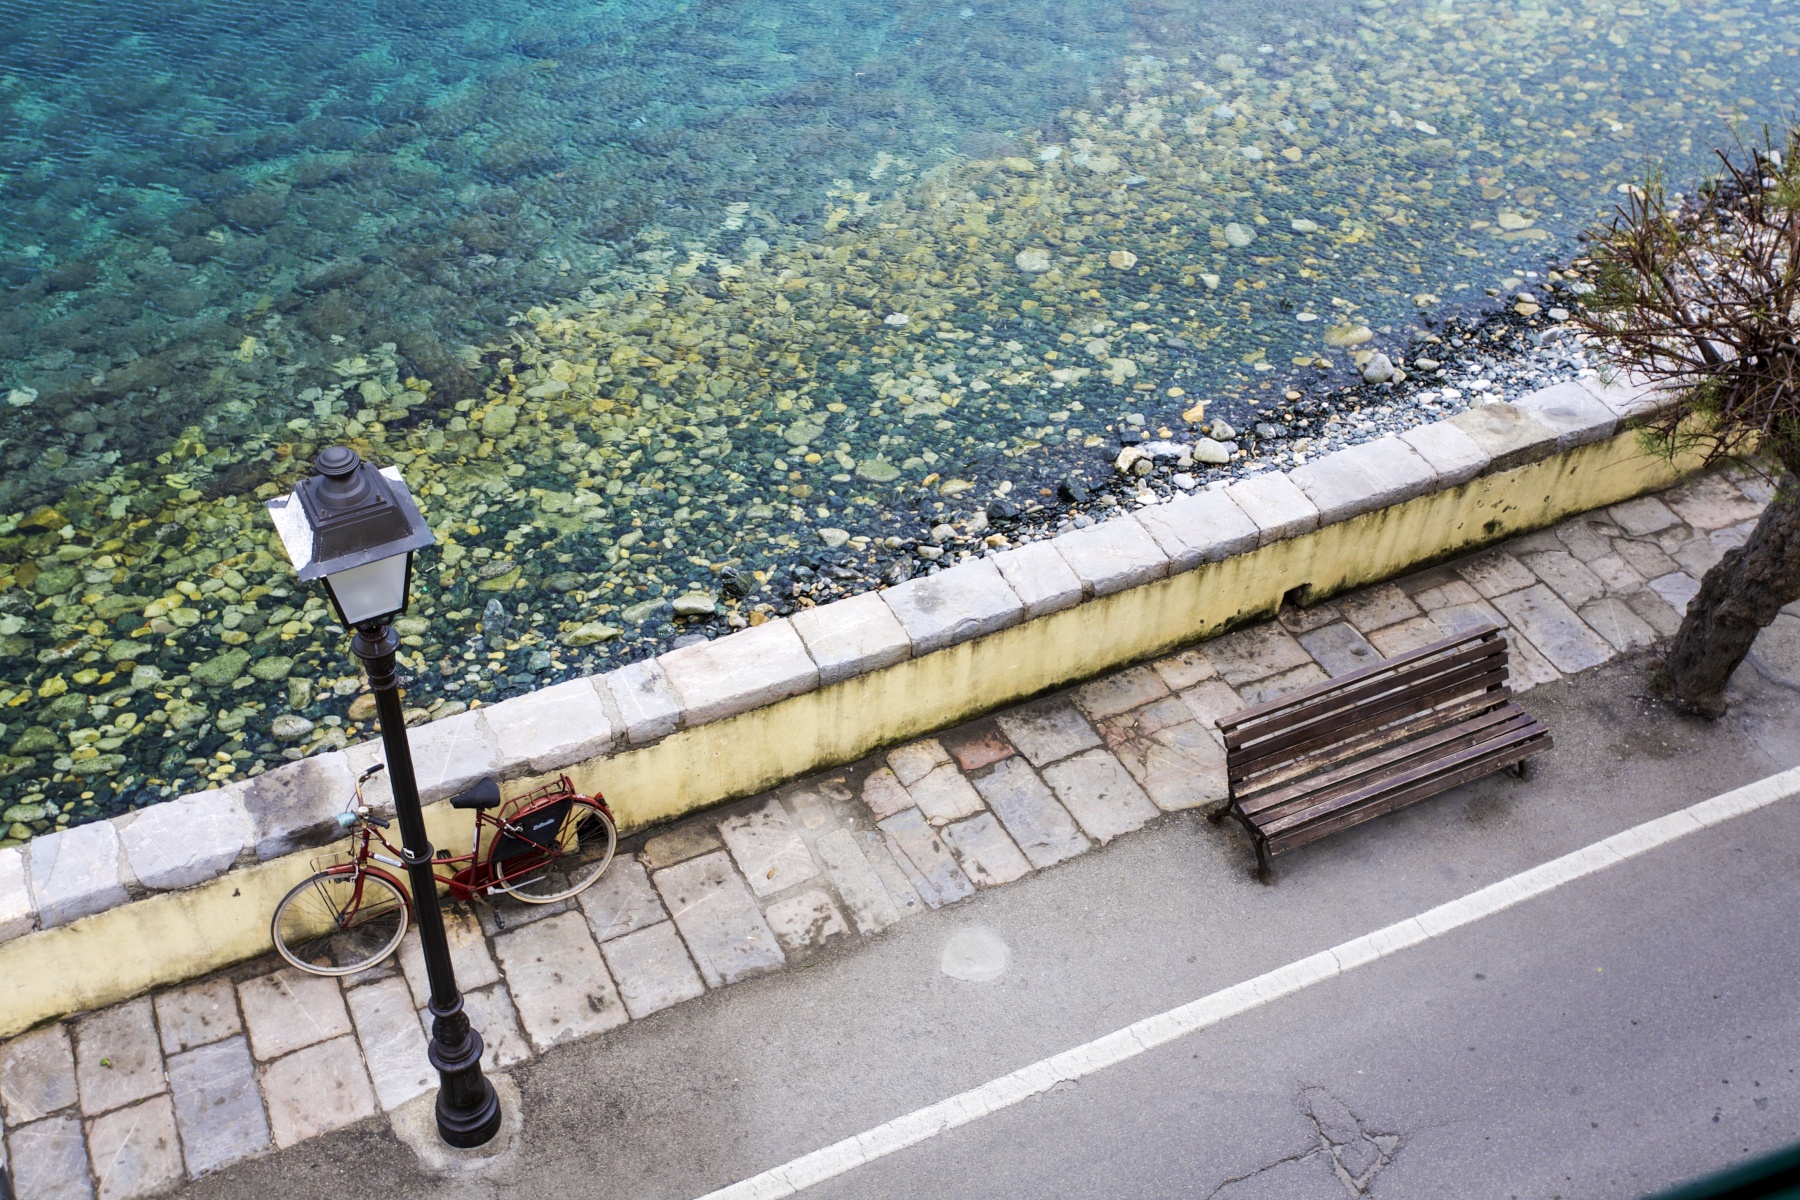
x,y
468,876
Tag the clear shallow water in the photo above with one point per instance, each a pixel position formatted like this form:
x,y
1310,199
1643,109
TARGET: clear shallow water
x,y
620,287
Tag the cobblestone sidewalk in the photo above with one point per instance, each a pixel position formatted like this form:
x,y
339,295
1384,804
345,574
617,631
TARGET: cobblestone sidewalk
x,y
131,1101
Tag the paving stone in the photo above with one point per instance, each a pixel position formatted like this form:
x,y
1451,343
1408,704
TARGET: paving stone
x,y
1048,730
1040,826
1199,528
621,901
1732,536
934,872
1255,653
680,843
1121,691
18,911
1507,435
823,802
37,1075
1544,541
852,637
1554,629
870,904
915,760
135,1152
1457,619
1362,478
1699,555
1655,612
49,1161
1395,640
118,1057
1711,502
550,728
75,872
1043,581
558,983
1112,556
469,956
316,1090
653,969
1453,454
217,1106
197,1015
1176,760
1673,538
492,1014
1453,591
1211,702
1586,539
503,913
1259,691
718,919
1528,668
1567,578
1646,558
1614,620
968,601
1275,505
1185,669
987,855
749,669
187,840
808,919
944,795
879,854
768,851
1339,648
977,748
1646,514
393,1047
1572,412
1496,573
291,1009
1295,619
1616,574
1100,794
648,707
1377,607
883,793
1757,486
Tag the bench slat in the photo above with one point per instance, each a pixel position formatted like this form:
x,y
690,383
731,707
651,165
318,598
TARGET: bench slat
x,y
1486,764
1350,678
1388,762
1386,710
1280,773
1329,703
1355,796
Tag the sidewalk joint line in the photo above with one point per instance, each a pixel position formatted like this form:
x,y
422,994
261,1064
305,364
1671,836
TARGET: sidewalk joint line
x,y
1140,1037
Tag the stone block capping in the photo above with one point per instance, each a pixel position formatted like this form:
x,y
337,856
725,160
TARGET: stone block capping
x,y
602,725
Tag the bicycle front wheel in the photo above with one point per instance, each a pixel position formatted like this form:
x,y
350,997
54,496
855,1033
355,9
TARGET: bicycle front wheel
x,y
339,922
583,850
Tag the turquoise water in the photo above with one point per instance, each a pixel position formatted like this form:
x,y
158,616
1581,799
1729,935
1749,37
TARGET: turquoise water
x,y
650,299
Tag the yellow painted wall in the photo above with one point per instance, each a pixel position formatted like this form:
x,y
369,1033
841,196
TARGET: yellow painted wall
x,y
173,937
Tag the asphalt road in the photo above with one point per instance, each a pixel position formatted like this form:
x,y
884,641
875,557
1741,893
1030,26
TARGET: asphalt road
x,y
1633,1029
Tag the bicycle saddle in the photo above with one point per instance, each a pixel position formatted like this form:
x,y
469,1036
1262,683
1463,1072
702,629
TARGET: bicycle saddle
x,y
485,794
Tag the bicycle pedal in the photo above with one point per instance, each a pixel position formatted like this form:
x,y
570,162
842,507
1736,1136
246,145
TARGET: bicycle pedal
x,y
443,854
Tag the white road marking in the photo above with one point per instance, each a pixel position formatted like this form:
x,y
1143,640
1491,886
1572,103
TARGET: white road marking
x,y
790,1178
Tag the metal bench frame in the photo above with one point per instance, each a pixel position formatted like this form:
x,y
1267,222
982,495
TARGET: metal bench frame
x,y
1370,742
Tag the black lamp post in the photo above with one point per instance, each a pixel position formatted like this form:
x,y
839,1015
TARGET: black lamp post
x,y
356,527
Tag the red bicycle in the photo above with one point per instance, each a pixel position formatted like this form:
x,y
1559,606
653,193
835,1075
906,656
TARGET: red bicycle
x,y
351,913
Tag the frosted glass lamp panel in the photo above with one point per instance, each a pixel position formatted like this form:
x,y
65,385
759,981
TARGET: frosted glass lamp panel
x,y
373,590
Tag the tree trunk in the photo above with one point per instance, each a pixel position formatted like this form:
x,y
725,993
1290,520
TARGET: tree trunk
x,y
1743,592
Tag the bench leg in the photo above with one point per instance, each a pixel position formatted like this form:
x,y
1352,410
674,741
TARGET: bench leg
x,y
1264,875
1520,769
1220,813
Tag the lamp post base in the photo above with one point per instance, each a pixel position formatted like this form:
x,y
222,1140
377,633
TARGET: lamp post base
x,y
467,1130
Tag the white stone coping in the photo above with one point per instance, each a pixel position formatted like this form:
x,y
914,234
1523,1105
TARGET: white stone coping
x,y
63,876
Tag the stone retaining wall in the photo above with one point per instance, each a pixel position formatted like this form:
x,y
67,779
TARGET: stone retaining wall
x,y
100,912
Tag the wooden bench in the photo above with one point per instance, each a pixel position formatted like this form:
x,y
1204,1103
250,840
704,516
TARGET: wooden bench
x,y
1344,751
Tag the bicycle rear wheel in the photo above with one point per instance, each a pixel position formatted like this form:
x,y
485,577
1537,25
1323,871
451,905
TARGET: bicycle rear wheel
x,y
339,922
584,847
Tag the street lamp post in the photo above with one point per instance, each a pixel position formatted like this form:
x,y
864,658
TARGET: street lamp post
x,y
356,527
